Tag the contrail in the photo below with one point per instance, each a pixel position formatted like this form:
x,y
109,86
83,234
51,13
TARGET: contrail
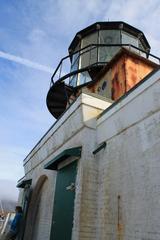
x,y
26,62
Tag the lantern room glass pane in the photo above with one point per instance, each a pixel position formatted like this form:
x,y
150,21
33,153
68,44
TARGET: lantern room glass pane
x,y
73,80
129,39
83,78
89,55
75,59
79,79
74,66
75,62
141,46
90,39
132,40
108,37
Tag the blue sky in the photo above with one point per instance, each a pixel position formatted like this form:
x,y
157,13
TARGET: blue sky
x,y
41,32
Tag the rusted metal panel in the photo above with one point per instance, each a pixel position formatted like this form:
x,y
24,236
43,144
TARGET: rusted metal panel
x,y
118,79
136,70
124,72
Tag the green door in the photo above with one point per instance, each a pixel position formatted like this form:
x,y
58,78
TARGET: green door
x,y
63,209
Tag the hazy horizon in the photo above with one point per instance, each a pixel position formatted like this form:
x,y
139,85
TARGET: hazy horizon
x,y
8,190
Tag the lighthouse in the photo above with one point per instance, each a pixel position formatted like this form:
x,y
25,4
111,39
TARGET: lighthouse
x,y
95,173
106,58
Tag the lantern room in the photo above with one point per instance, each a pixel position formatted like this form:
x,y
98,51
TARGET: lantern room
x,y
90,52
96,45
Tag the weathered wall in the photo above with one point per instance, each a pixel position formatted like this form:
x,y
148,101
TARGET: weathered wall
x,y
39,212
129,190
77,127
42,217
85,201
117,190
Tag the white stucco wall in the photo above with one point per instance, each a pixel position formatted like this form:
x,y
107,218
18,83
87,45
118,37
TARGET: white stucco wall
x,y
117,189
129,190
77,127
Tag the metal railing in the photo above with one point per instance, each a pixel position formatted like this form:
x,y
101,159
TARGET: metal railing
x,y
64,68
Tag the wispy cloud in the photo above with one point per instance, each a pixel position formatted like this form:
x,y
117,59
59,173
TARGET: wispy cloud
x,y
140,14
25,62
